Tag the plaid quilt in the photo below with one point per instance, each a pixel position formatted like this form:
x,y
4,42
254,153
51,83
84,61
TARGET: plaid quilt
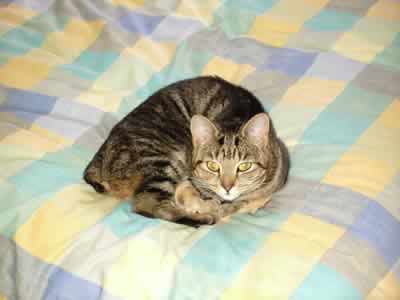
x,y
328,71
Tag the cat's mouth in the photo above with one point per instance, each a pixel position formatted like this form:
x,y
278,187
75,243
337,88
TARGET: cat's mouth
x,y
228,197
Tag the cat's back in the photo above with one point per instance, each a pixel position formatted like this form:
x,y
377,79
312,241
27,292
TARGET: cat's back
x,y
174,105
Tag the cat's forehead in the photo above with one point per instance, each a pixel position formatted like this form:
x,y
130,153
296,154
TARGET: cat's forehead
x,y
228,147
229,140
232,147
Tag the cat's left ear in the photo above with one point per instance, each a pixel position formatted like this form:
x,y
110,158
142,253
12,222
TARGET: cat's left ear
x,y
203,131
256,130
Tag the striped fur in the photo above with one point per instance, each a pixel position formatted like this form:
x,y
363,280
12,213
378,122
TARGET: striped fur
x,y
150,151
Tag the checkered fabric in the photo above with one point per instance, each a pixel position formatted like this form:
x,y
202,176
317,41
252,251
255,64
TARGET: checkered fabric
x,y
328,71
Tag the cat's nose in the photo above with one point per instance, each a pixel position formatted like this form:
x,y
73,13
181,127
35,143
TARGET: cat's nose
x,y
227,184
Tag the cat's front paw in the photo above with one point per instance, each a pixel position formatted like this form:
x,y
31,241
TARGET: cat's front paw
x,y
188,199
192,204
208,219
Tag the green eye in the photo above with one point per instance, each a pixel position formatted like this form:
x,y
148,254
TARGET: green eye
x,y
213,166
244,166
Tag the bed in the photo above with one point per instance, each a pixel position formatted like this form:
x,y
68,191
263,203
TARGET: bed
x,y
328,71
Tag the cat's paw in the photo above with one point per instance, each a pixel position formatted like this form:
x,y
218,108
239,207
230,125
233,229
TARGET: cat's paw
x,y
208,219
188,199
192,205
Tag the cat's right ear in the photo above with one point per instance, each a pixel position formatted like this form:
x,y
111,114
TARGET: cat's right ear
x,y
203,131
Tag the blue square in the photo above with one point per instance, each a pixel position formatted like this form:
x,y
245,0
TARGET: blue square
x,y
335,205
289,61
65,285
176,29
27,105
331,66
140,23
376,225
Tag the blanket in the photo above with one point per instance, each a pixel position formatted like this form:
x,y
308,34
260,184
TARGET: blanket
x,y
327,71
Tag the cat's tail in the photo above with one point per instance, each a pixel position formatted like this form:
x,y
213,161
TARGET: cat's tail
x,y
91,177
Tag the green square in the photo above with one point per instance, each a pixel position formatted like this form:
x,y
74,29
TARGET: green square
x,y
325,283
255,6
329,20
390,57
233,22
187,63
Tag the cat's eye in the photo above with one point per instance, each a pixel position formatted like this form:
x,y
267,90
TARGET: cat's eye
x,y
213,166
243,167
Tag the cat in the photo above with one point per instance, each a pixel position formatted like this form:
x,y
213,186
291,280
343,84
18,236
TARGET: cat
x,y
200,149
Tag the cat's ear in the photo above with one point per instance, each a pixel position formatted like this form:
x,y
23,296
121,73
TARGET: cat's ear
x,y
256,130
203,131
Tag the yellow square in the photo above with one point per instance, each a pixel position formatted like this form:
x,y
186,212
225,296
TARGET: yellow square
x,y
349,46
273,31
156,54
387,289
32,141
385,9
202,11
373,34
361,173
129,3
294,250
323,91
318,4
14,15
227,69
105,100
59,221
313,230
390,118
76,37
282,20
23,73
296,11
380,143
126,278
376,31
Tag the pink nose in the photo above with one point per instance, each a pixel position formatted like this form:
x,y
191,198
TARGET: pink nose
x,y
227,185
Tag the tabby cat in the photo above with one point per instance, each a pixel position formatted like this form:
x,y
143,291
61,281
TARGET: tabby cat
x,y
200,149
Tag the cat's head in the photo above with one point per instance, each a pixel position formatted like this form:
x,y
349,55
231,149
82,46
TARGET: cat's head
x,y
234,164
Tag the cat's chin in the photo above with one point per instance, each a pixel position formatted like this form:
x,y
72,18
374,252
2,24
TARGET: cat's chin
x,y
228,197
